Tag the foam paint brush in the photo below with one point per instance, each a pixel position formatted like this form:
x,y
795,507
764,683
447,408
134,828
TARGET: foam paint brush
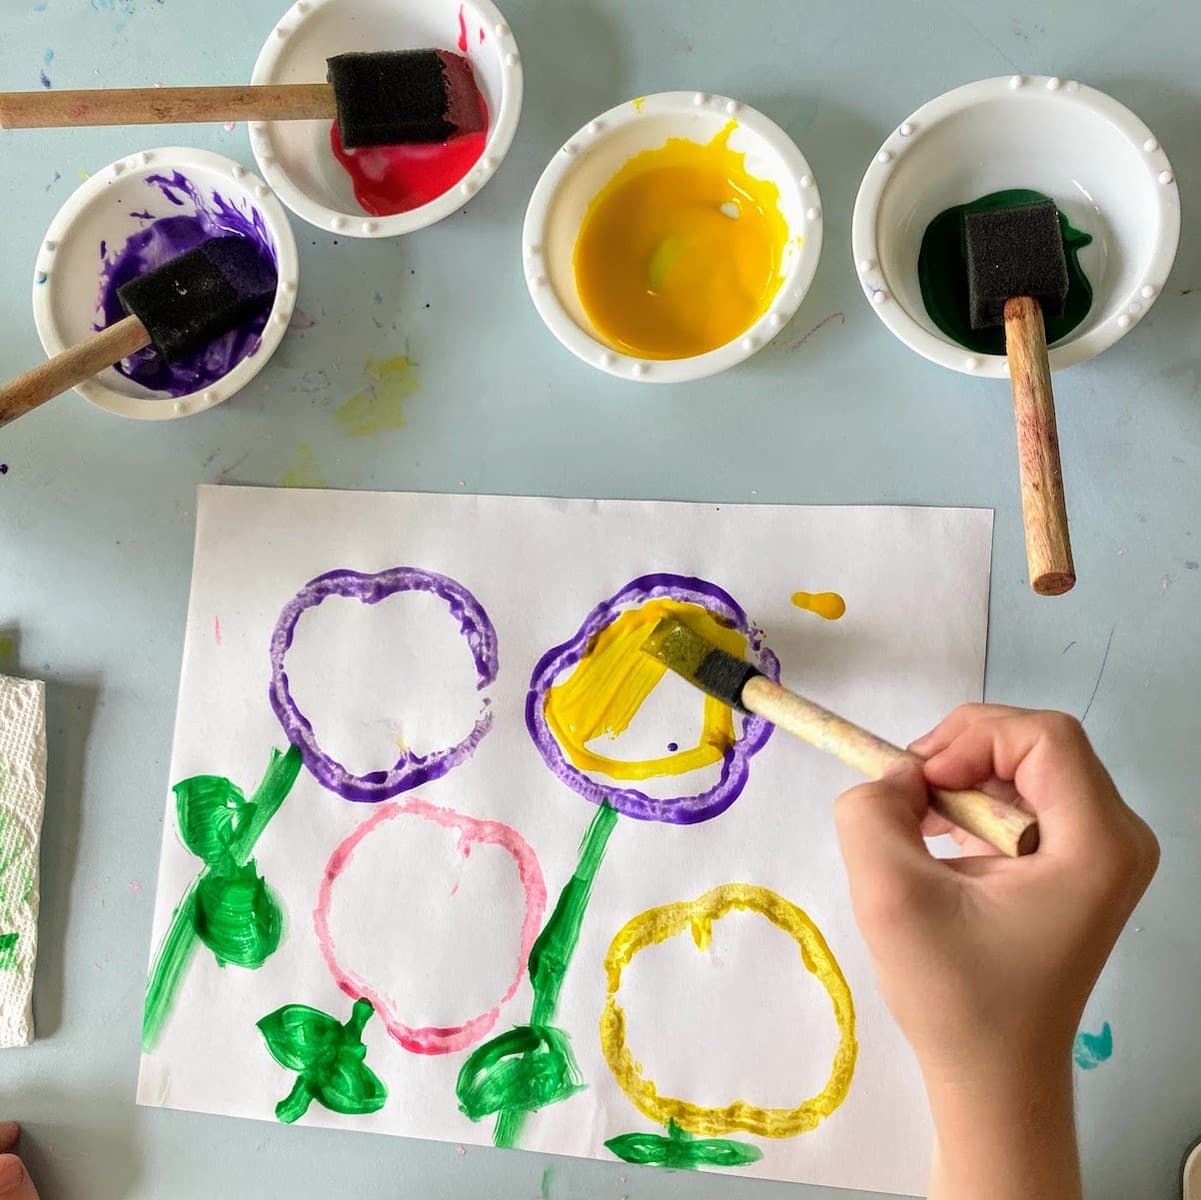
x,y
1017,276
378,99
743,687
179,308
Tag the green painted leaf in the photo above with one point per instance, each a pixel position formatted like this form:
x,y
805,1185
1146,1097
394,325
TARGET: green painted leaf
x,y
300,1037
210,810
678,1151
348,1085
237,917
522,1070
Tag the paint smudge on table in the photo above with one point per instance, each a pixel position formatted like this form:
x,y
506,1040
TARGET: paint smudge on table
x,y
828,605
548,1175
301,320
163,239
942,274
217,630
1090,1050
379,406
304,471
681,251
3,468
47,59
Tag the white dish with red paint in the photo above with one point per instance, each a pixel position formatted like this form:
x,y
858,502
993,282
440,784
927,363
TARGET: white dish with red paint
x,y
295,156
67,278
1100,164
592,156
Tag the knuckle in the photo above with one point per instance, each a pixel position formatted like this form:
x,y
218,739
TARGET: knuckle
x,y
1062,728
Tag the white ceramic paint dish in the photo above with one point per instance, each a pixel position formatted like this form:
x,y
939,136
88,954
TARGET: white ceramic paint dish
x,y
1103,167
295,156
593,156
67,279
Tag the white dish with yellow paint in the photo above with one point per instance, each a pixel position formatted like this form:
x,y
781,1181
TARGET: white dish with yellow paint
x,y
295,156
590,159
1100,164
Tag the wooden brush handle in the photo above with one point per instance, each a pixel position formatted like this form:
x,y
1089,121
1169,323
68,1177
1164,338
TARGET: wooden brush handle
x,y
1048,546
167,106
1003,826
65,370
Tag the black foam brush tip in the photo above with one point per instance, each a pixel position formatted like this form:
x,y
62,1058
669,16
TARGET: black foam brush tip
x,y
200,295
1016,251
391,97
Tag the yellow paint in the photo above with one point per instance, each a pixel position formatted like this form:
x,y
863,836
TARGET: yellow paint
x,y
826,604
387,383
8,650
657,925
681,251
614,678
638,102
303,471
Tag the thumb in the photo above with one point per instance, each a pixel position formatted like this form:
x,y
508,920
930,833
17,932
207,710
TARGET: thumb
x,y
880,827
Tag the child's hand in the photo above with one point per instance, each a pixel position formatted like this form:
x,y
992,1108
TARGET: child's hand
x,y
986,962
15,1183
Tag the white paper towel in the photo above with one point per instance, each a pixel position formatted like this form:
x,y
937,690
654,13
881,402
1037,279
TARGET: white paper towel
x,y
22,798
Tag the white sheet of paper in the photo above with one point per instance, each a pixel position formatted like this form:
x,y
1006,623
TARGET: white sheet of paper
x,y
434,926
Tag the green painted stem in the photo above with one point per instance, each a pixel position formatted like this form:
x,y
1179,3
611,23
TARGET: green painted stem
x,y
270,794
178,946
551,953
295,1104
175,952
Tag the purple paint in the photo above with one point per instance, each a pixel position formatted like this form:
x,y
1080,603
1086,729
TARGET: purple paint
x,y
162,240
410,770
630,801
3,468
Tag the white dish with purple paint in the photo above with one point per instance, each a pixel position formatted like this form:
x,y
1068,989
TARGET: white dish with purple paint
x,y
295,156
131,216
1100,164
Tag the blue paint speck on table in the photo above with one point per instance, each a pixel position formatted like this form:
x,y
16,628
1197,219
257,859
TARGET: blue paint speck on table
x,y
1090,1050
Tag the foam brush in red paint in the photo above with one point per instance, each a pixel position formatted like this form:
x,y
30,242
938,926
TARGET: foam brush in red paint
x,y
381,98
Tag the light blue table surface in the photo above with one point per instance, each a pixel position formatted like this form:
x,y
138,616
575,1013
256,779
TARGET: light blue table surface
x,y
96,514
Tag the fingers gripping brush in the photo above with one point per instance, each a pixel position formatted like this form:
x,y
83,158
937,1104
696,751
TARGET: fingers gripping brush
x,y
179,308
381,98
1004,826
1017,274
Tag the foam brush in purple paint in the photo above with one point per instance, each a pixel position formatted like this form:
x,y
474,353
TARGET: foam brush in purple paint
x,y
179,308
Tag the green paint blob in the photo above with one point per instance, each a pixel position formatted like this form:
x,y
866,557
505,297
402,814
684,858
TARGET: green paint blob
x,y
328,1057
229,907
532,1065
8,951
680,1151
525,1069
942,274
547,1177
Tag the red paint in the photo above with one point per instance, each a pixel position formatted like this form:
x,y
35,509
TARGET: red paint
x,y
481,35
396,179
462,30
217,630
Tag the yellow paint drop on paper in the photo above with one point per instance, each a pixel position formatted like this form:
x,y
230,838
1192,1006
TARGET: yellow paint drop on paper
x,y
829,605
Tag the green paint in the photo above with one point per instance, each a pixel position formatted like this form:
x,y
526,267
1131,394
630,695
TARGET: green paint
x,y
229,907
1090,1050
304,471
680,1151
328,1057
532,1065
942,274
387,383
8,951
547,1176
525,1069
